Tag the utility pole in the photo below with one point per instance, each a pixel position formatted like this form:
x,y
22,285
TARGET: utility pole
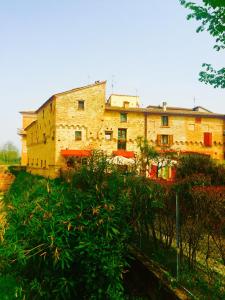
x,y
177,237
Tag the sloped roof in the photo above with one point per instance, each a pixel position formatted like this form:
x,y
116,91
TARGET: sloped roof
x,y
169,111
70,91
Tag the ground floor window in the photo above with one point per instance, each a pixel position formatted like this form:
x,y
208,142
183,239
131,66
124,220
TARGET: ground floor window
x,y
122,138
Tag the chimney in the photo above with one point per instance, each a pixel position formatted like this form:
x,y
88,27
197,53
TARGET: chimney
x,y
164,104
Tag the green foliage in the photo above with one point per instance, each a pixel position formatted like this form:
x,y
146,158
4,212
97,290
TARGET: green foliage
x,y
212,77
194,164
9,154
201,164
67,240
211,14
9,288
15,170
147,153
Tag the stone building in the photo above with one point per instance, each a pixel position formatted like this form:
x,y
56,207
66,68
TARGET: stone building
x,y
75,122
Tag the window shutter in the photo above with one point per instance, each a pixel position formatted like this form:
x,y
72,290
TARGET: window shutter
x,y
158,139
170,140
208,139
198,120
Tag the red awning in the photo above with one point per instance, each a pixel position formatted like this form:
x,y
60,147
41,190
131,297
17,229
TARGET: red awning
x,y
79,153
124,153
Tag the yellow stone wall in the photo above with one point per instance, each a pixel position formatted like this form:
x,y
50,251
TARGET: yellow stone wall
x,y
27,119
189,135
134,126
70,119
124,100
41,138
60,117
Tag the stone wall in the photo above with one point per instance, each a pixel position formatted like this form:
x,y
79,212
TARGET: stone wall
x,y
84,112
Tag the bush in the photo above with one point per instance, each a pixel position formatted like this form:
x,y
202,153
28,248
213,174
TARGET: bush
x,y
67,240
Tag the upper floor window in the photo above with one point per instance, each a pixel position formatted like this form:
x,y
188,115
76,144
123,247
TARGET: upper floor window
x,y
165,120
123,117
78,135
81,105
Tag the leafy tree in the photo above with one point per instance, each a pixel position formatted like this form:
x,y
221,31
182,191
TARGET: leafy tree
x,y
212,16
9,153
147,153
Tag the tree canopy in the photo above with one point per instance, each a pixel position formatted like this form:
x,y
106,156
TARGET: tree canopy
x,y
211,14
9,153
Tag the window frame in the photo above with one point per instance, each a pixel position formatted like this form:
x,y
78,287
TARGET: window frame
x,y
122,141
109,132
123,115
78,138
162,139
163,123
207,138
44,138
80,105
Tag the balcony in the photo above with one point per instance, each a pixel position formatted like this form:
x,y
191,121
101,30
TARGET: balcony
x,y
21,132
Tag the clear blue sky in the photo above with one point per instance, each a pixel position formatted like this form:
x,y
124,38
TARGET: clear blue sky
x,y
147,47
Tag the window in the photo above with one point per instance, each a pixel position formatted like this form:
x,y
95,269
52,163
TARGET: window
x,y
44,138
43,113
50,106
122,138
164,140
108,135
123,117
81,105
78,135
208,139
165,120
198,120
53,135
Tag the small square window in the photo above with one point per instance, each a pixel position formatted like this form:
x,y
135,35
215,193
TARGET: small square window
x,y
165,120
81,105
164,139
108,135
123,117
78,135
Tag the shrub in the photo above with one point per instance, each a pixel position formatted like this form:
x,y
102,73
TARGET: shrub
x,y
67,240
